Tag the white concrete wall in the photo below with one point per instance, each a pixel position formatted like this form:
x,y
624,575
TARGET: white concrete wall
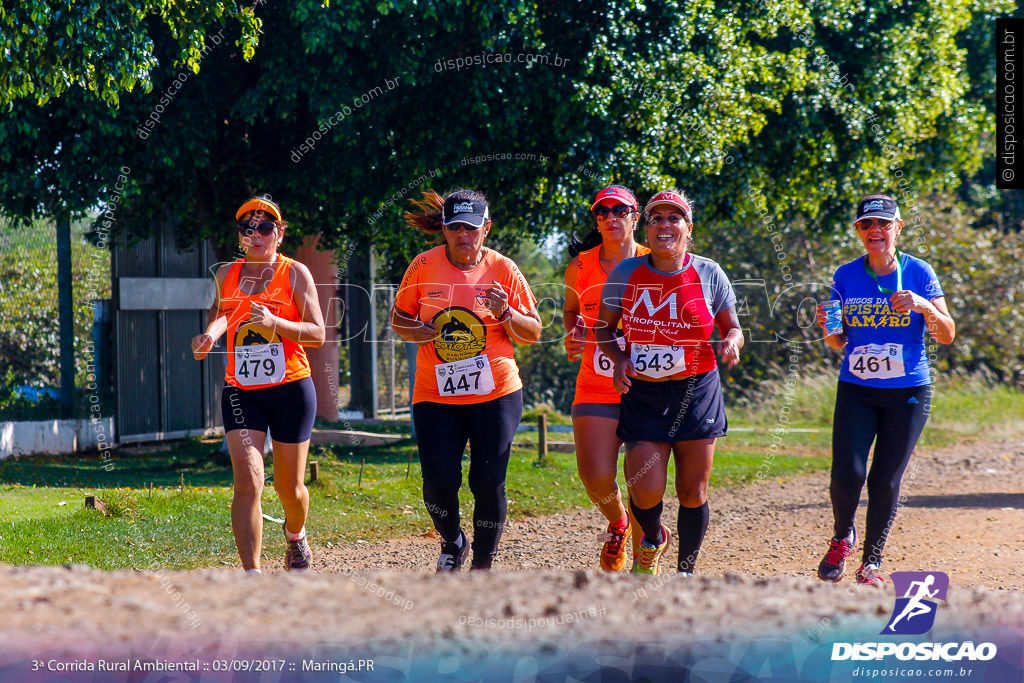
x,y
55,437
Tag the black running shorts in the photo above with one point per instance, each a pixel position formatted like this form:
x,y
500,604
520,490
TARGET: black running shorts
x,y
287,410
677,410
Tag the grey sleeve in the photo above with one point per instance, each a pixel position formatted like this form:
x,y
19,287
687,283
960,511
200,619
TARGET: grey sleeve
x,y
715,285
614,290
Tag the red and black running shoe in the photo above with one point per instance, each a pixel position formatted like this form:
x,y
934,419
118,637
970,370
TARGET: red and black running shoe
x,y
833,564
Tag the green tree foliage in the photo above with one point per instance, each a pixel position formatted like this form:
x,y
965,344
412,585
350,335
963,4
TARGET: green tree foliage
x,y
714,97
106,48
786,110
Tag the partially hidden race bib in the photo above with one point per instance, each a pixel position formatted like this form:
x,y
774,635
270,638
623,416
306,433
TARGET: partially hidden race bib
x,y
877,361
603,365
258,364
657,360
465,377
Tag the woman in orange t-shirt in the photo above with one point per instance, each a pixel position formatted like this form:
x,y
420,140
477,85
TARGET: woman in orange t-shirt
x,y
267,305
464,304
595,408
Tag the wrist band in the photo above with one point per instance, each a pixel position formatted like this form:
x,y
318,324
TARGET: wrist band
x,y
507,315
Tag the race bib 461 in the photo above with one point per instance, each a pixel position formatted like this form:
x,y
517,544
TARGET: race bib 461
x,y
877,361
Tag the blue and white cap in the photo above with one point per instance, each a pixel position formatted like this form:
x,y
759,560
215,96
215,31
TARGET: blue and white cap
x,y
471,211
878,206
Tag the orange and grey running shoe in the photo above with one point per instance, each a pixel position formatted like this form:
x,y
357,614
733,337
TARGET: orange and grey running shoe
x,y
613,553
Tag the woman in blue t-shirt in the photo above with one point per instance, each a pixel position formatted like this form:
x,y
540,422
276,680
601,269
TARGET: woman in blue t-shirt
x,y
888,301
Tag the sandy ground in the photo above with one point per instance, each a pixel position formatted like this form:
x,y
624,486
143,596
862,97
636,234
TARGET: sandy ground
x,y
964,515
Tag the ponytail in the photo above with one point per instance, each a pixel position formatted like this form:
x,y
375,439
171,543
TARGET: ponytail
x,y
426,214
589,241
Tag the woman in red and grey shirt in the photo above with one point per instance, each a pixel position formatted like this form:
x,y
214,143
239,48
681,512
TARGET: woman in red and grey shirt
x,y
669,303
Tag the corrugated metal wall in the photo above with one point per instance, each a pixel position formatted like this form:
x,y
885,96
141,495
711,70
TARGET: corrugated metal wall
x,y
162,391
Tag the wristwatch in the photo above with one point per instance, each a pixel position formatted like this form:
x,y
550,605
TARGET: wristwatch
x,y
507,315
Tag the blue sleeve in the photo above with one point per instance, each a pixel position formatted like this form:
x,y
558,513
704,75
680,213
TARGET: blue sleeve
x,y
838,291
930,282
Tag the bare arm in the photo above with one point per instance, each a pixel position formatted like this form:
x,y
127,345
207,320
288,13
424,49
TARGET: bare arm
x,y
309,329
411,328
571,318
216,320
607,322
524,328
732,336
936,315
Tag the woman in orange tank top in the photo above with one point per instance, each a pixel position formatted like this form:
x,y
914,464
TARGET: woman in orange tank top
x,y
595,408
267,305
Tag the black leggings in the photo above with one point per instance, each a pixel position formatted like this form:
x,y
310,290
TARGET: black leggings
x,y
896,417
442,430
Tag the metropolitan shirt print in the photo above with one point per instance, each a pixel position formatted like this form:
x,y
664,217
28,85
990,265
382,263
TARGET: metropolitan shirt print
x,y
670,309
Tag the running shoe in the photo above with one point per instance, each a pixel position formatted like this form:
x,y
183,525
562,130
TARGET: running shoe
x,y
870,575
833,565
649,558
452,556
298,556
613,554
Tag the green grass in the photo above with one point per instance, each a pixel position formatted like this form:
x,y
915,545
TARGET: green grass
x,y
365,493
963,407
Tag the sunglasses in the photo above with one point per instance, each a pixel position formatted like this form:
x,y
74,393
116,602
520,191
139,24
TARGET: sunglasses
x,y
619,211
265,228
869,223
670,219
454,227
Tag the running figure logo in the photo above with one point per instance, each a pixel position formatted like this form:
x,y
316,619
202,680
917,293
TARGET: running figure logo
x,y
914,612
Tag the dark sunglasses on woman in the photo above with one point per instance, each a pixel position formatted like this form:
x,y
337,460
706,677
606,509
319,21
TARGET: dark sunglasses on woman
x,y
619,211
265,228
454,227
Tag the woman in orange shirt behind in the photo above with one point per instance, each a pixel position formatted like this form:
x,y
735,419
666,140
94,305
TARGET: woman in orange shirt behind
x,y
595,408
464,304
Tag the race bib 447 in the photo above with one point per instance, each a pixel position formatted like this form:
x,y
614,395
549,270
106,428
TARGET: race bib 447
x,y
471,376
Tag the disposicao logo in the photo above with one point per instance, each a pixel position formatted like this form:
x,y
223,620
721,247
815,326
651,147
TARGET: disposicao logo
x,y
914,614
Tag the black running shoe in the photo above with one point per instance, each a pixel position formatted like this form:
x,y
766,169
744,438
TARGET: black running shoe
x,y
833,564
452,556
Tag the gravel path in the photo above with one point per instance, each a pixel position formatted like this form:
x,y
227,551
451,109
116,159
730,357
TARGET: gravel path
x,y
963,515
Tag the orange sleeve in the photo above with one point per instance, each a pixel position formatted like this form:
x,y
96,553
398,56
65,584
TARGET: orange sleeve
x,y
407,299
520,296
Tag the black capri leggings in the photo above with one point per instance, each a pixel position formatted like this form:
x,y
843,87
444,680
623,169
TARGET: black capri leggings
x,y
442,430
891,418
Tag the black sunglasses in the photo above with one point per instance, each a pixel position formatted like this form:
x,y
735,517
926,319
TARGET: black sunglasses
x,y
454,227
265,228
619,211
